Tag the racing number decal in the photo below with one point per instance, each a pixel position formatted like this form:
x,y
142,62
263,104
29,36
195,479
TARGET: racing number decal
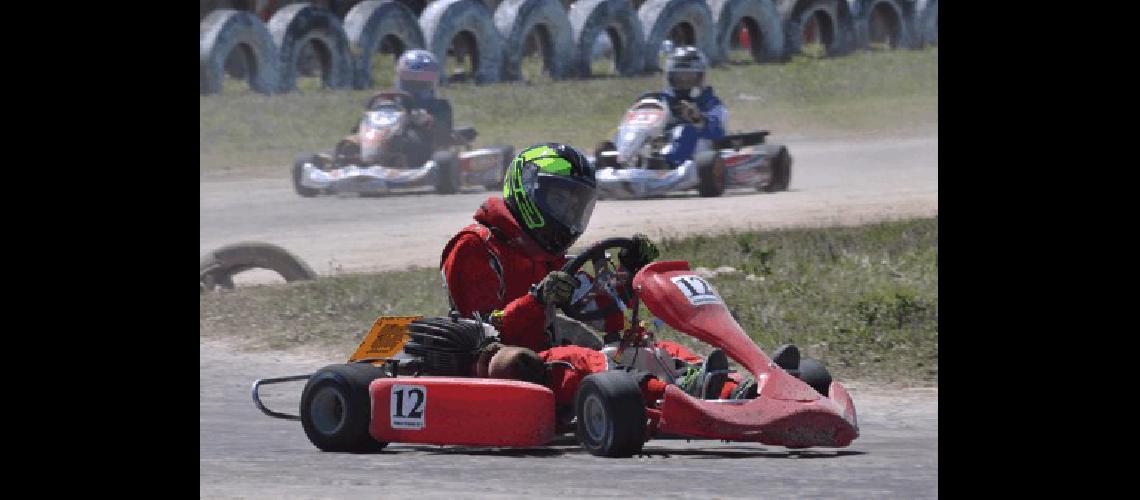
x,y
409,404
697,290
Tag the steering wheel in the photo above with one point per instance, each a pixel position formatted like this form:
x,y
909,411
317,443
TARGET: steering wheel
x,y
608,280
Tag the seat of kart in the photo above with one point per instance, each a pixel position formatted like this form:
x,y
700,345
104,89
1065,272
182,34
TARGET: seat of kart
x,y
463,135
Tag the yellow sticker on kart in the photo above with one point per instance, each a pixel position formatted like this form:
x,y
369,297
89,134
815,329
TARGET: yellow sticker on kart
x,y
387,336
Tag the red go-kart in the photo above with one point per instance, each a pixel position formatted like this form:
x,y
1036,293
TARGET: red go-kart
x,y
382,397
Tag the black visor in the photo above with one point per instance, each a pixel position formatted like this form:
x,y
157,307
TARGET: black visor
x,y
567,201
685,80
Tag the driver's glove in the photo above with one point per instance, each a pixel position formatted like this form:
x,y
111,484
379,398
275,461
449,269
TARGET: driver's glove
x,y
644,252
555,289
692,113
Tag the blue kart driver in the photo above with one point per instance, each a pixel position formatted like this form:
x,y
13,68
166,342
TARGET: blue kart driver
x,y
698,113
418,73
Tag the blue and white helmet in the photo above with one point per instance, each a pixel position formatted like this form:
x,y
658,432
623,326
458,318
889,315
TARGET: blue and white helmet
x,y
685,72
417,73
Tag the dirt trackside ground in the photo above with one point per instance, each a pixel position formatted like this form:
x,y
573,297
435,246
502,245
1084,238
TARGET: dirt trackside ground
x,y
835,182
245,454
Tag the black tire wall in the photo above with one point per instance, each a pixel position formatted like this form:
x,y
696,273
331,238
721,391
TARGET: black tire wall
x,y
297,25
443,19
658,17
223,31
589,18
768,47
515,19
368,24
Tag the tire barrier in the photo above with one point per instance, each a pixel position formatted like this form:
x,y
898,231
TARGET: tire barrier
x,y
827,22
927,24
225,31
296,26
217,268
372,23
884,22
302,39
691,20
443,20
517,19
762,22
590,18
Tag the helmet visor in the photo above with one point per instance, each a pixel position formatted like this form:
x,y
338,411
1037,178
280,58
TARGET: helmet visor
x,y
567,201
685,80
416,87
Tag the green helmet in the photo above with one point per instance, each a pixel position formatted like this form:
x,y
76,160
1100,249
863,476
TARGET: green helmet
x,y
550,190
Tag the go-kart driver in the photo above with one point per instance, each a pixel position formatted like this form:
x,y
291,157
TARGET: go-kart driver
x,y
701,114
506,266
429,124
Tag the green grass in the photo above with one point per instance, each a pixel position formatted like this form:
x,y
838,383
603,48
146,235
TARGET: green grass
x,y
862,299
865,93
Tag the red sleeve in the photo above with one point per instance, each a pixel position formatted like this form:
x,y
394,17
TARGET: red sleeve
x,y
470,281
524,323
474,286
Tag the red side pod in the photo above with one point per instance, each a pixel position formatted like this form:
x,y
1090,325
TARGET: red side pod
x,y
461,411
769,421
702,314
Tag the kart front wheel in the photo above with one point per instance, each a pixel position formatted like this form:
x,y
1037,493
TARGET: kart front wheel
x,y
813,373
298,170
448,177
713,178
781,172
336,408
611,415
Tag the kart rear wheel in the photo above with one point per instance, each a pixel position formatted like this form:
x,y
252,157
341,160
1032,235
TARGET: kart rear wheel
x,y
813,373
781,172
508,155
611,415
448,178
336,408
713,180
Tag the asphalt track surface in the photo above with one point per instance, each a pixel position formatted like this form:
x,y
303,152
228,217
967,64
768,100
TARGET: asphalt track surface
x,y
833,182
244,453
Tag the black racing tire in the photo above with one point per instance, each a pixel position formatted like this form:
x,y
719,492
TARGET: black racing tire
x,y
760,18
611,414
217,268
928,23
516,19
368,24
833,19
448,178
713,178
814,374
589,18
224,31
659,17
336,408
884,22
298,168
297,25
781,172
441,20
508,155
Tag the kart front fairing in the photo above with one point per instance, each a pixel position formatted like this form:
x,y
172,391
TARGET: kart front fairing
x,y
366,178
786,411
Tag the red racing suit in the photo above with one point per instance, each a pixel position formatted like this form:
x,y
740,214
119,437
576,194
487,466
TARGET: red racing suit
x,y
564,381
490,265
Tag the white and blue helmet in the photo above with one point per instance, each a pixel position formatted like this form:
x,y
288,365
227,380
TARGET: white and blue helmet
x,y
417,73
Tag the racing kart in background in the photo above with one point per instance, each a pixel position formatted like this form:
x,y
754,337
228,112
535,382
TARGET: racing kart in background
x,y
633,168
364,163
382,395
